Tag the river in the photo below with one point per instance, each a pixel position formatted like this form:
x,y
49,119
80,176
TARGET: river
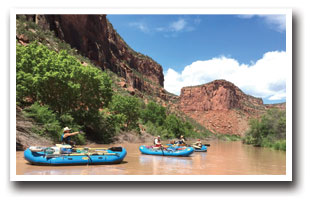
x,y
222,158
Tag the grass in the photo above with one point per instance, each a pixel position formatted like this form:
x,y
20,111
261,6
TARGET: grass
x,y
228,137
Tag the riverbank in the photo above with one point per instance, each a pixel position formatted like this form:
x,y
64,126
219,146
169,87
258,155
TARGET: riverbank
x,y
25,135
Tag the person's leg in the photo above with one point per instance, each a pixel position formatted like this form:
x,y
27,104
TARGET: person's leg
x,y
72,143
196,147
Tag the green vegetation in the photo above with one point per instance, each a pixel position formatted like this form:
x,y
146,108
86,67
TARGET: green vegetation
x,y
269,131
227,137
59,82
168,126
128,109
49,125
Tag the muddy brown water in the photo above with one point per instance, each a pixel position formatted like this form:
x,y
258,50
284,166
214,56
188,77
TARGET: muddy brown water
x,y
222,158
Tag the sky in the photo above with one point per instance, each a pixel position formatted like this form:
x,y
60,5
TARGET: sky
x,y
247,50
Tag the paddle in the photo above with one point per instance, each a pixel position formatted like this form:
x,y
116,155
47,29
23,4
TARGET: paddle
x,y
161,147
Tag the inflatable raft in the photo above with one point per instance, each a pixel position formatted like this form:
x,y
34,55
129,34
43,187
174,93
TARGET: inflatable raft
x,y
182,151
202,149
60,155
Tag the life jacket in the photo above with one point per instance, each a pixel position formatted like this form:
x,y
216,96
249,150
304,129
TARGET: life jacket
x,y
65,140
158,142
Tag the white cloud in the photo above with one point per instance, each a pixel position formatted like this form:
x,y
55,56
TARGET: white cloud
x,y
178,25
169,29
140,25
265,78
276,22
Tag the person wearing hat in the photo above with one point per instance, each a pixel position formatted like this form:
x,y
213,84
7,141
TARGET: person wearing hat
x,y
197,144
66,136
181,140
157,142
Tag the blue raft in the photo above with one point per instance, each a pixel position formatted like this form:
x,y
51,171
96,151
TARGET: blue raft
x,y
81,156
185,151
202,149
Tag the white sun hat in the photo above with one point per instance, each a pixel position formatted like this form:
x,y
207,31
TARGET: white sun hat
x,y
67,129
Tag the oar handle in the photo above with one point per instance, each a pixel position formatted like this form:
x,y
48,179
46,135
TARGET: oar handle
x,y
208,145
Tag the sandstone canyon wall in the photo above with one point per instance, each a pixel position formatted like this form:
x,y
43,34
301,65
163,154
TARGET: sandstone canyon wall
x,y
94,37
221,107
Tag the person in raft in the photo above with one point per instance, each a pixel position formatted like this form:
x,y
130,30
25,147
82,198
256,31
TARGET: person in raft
x,y
197,144
157,142
181,140
66,136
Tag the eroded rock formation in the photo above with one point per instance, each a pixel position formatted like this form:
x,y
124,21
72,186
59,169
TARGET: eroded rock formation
x,y
94,37
221,107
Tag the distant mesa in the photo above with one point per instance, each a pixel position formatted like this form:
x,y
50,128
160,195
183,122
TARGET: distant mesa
x,y
221,106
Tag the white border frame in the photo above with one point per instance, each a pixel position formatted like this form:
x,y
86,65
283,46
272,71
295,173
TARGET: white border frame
x,y
14,177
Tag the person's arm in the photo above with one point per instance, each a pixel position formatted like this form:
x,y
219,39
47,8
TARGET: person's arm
x,y
70,134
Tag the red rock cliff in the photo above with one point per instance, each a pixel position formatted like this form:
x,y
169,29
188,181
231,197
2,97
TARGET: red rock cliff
x,y
94,37
220,106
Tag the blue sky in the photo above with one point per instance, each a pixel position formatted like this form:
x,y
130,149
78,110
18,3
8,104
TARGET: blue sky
x,y
196,49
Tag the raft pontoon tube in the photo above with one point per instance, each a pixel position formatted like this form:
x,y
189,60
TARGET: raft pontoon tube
x,y
150,150
60,155
202,149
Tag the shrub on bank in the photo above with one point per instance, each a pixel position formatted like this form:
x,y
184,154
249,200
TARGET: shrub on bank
x,y
227,137
268,131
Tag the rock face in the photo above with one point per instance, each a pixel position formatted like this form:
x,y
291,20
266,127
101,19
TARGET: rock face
x,y
25,136
94,37
220,106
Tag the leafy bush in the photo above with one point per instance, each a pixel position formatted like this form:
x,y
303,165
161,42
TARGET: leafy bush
x,y
60,83
228,137
175,126
129,109
154,113
103,126
59,80
46,119
268,131
48,124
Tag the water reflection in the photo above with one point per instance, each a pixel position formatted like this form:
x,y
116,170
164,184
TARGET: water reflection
x,y
166,164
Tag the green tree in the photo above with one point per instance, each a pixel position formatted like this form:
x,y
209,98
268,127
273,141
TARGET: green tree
x,y
48,124
268,131
129,107
154,113
174,125
59,80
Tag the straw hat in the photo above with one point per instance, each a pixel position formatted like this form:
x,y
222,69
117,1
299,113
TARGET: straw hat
x,y
67,129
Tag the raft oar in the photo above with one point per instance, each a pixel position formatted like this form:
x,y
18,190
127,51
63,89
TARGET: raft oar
x,y
161,147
